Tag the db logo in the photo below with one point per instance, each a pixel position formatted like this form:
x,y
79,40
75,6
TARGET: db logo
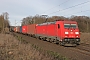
x,y
71,32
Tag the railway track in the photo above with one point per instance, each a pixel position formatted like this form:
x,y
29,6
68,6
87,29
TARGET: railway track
x,y
82,49
81,52
85,47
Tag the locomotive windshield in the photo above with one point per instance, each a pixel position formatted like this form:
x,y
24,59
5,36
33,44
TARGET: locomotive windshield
x,y
67,25
73,25
70,25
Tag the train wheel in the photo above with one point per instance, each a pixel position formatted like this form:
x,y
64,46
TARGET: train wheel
x,y
57,41
48,40
51,40
39,38
54,41
61,43
44,38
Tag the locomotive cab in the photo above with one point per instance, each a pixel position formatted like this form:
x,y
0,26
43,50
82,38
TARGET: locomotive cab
x,y
69,33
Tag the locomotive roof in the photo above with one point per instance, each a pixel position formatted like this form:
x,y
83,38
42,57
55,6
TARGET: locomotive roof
x,y
66,21
47,23
55,22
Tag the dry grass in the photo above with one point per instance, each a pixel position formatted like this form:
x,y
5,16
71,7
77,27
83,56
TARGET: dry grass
x,y
85,38
13,49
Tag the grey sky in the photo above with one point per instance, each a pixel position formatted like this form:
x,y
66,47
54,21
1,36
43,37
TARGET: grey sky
x,y
18,9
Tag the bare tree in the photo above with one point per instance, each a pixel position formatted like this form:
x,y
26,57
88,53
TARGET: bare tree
x,y
6,19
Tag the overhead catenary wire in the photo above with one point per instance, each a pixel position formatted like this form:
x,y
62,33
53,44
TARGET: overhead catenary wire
x,y
70,7
77,12
56,6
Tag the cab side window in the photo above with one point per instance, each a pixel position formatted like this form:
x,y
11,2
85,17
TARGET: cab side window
x,y
58,26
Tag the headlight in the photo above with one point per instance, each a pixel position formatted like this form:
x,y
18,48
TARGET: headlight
x,y
76,32
77,39
66,32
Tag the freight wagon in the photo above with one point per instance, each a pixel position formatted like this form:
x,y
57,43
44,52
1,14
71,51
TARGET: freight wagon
x,y
15,29
24,29
31,29
20,30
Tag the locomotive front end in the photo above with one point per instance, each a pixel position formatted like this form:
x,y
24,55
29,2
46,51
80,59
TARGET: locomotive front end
x,y
71,33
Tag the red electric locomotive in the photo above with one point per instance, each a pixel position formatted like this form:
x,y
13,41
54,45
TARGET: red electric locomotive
x,y
64,32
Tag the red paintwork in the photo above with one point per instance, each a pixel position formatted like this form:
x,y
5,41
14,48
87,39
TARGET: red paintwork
x,y
31,29
47,30
54,31
51,29
24,29
71,31
16,29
